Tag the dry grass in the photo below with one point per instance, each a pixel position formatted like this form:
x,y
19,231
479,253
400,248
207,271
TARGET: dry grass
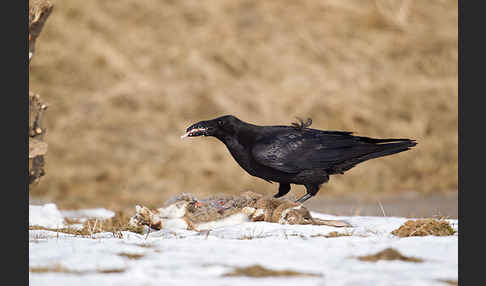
x,y
251,236
259,271
115,225
332,234
388,254
67,230
71,221
423,227
123,80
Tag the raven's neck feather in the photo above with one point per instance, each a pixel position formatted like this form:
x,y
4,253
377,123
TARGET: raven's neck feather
x,y
239,144
239,152
244,134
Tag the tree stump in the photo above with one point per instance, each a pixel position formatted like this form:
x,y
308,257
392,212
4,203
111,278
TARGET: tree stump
x,y
39,10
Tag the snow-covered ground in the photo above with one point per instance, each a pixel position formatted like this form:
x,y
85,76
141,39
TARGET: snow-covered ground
x,y
182,257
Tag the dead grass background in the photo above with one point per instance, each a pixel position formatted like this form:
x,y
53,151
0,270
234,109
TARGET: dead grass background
x,y
123,80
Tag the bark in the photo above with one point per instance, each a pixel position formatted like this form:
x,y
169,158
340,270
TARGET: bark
x,y
39,11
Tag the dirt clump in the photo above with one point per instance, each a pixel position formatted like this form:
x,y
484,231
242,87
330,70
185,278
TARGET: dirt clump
x,y
133,256
423,227
260,271
388,254
58,268
450,282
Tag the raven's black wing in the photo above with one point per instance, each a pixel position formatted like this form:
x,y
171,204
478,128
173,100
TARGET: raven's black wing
x,y
292,151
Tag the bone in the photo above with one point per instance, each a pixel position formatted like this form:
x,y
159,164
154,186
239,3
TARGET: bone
x,y
191,132
185,135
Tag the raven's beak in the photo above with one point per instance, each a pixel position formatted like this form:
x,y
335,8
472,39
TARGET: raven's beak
x,y
194,132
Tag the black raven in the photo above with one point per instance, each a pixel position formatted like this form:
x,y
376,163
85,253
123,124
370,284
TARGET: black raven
x,y
294,154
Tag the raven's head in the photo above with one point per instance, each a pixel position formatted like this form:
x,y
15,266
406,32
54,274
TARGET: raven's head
x,y
218,127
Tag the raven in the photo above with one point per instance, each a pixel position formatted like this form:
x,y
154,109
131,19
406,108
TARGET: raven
x,y
294,154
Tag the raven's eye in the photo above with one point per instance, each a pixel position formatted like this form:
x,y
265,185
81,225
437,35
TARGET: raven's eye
x,y
220,122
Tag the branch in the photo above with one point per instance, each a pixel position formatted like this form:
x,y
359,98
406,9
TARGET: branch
x,y
37,148
39,10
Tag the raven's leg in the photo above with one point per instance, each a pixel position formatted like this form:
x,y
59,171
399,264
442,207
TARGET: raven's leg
x,y
283,189
311,191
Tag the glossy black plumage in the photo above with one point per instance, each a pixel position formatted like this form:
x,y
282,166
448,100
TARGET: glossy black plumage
x,y
295,154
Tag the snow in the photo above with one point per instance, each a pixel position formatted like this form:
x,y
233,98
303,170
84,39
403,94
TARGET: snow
x,y
99,213
45,215
50,216
183,257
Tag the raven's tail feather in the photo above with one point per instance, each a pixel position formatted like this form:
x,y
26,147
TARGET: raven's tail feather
x,y
403,141
398,146
385,147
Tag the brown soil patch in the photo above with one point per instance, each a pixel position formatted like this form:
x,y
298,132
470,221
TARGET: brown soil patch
x,y
259,271
134,256
110,271
388,254
57,268
450,282
423,227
